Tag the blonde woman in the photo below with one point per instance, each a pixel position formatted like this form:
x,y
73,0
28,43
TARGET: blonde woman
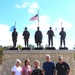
x,y
37,70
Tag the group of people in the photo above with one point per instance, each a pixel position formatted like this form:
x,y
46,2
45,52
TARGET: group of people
x,y
48,67
38,37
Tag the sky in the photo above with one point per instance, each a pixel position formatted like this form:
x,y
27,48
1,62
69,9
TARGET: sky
x,y
51,13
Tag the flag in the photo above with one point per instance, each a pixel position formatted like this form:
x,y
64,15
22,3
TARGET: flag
x,y
34,17
56,29
12,28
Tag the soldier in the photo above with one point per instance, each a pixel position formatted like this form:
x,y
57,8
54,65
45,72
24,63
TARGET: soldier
x,y
14,37
38,37
26,35
62,37
50,34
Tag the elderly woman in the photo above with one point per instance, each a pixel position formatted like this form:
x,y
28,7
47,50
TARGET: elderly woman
x,y
37,70
16,69
26,70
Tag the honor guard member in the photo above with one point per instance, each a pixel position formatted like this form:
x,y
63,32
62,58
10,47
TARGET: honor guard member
x,y
14,37
26,35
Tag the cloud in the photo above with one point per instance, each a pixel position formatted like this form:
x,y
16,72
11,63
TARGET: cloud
x,y
44,23
34,5
64,23
4,35
24,5
33,8
31,11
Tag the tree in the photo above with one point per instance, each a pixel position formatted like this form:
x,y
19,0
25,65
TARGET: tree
x,y
7,47
74,46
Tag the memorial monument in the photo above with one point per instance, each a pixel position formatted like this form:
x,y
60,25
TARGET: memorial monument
x,y
26,35
14,37
62,38
50,34
38,37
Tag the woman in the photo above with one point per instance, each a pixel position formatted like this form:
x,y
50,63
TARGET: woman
x,y
16,70
37,70
26,70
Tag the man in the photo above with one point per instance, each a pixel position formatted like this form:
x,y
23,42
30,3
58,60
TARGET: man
x,y
26,35
14,37
62,67
38,37
50,34
49,66
62,37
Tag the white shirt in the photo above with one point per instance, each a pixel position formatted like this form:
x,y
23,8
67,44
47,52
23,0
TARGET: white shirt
x,y
17,70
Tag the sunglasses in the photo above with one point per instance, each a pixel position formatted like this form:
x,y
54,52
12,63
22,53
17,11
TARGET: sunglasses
x,y
59,59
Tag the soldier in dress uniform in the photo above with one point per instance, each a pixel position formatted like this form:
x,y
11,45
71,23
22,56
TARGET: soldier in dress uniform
x,y
26,35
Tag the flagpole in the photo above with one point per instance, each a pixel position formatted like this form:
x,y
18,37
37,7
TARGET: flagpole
x,y
61,24
38,18
15,23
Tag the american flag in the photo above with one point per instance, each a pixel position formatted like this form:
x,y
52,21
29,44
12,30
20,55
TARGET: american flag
x,y
34,17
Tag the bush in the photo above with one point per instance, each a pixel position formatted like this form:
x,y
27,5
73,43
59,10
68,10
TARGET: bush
x,y
1,51
1,55
74,55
